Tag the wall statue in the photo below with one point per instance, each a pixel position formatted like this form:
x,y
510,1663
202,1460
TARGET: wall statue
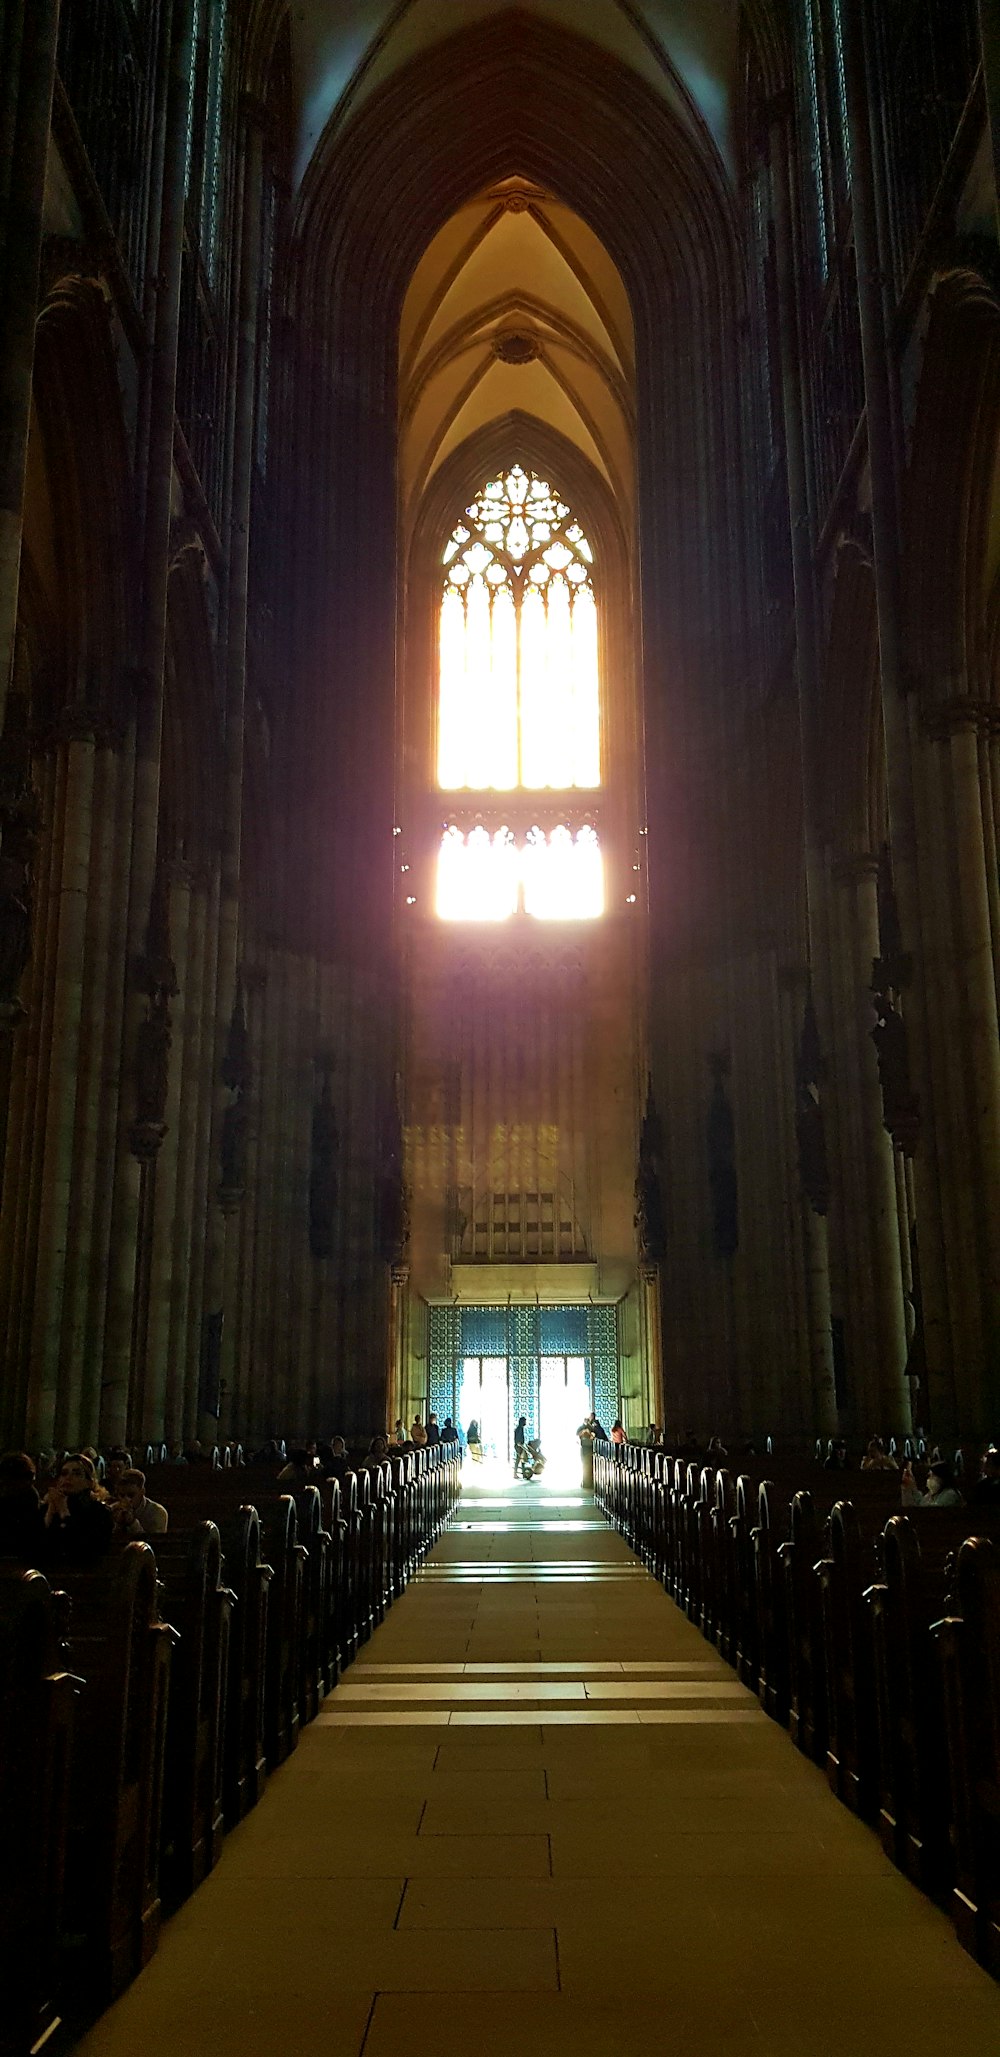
x,y
158,980
890,976
810,1128
323,1145
721,1140
649,1221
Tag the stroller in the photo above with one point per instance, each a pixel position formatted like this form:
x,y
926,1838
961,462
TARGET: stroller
x,y
534,1460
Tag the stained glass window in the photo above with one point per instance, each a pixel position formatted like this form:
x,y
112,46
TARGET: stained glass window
x,y
518,704
487,876
519,689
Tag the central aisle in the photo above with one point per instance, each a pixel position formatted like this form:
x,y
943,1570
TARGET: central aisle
x,y
541,1816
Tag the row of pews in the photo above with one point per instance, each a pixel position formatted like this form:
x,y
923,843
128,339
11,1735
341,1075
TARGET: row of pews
x,y
143,1703
872,1635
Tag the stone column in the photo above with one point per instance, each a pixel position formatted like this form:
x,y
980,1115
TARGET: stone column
x,y
849,1256
793,984
941,1201
876,1170
31,114
979,1056
882,414
223,1243
158,1362
190,1056
652,1340
204,1208
241,1396
989,29
96,1094
53,1409
159,474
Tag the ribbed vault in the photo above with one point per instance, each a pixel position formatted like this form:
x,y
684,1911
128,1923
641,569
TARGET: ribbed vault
x,y
515,99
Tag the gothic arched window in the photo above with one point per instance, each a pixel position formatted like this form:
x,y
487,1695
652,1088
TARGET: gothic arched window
x,y
519,704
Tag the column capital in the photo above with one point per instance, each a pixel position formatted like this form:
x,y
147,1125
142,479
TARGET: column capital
x,y
857,869
75,722
181,872
960,714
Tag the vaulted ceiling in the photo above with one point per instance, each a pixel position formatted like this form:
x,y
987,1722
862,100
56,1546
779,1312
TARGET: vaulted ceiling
x,y
516,307
343,50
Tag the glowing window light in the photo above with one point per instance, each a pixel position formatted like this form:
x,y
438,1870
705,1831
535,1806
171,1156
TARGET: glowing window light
x,y
477,876
519,685
563,875
558,877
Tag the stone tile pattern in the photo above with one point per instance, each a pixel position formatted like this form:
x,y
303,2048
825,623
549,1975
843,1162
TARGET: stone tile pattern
x,y
538,1817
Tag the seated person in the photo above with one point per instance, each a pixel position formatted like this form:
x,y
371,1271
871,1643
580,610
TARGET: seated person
x,y
986,1491
22,1529
876,1457
941,1488
135,1516
418,1434
378,1448
300,1470
340,1460
117,1461
79,1524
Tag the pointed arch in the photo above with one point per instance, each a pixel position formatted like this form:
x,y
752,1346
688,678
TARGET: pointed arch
x,y
952,491
86,459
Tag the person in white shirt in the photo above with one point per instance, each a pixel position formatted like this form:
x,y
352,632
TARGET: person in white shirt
x,y
136,1516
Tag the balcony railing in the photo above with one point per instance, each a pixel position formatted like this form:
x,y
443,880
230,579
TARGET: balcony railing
x,y
200,380
927,56
107,64
837,383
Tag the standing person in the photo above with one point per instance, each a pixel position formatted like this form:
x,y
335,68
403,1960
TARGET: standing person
x,y
475,1442
418,1434
520,1444
399,1432
433,1431
618,1433
449,1433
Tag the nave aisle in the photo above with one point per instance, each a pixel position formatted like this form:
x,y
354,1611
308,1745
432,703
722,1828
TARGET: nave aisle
x,y
539,1815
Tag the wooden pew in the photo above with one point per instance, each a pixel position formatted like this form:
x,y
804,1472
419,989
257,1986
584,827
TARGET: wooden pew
x,y
968,1642
315,1680
199,1605
768,1537
193,1495
122,1649
198,1492
845,1573
917,1551
37,1709
807,1694
249,1577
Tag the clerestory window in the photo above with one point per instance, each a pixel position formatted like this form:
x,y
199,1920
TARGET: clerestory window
x,y
519,706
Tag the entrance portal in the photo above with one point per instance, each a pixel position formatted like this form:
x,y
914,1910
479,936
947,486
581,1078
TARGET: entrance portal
x,y
483,1397
563,1402
551,1364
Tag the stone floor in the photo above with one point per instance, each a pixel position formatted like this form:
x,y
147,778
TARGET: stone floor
x,y
539,1816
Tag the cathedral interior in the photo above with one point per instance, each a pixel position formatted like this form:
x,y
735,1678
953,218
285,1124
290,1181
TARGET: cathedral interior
x,y
499,760
299,1067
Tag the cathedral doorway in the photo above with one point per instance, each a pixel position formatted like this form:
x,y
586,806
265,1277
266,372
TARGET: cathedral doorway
x,y
551,1364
